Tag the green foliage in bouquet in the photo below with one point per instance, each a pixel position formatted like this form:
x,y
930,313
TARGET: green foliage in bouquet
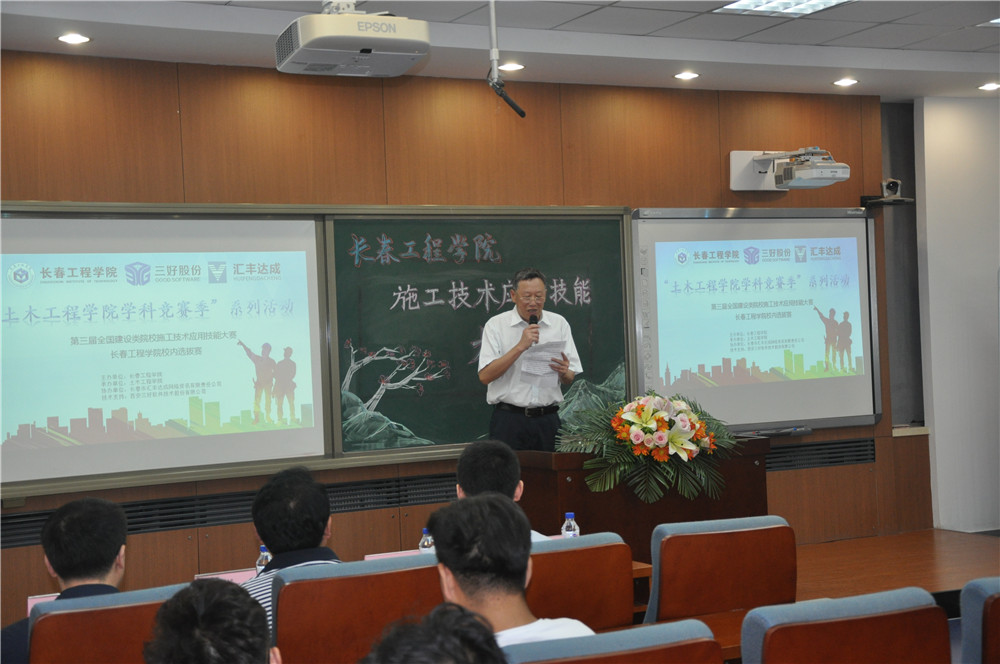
x,y
654,445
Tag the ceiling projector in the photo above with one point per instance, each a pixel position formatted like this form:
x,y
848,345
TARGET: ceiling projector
x,y
351,44
805,168
809,172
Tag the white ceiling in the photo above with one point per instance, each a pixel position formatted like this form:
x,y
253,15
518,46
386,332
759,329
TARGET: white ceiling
x,y
900,50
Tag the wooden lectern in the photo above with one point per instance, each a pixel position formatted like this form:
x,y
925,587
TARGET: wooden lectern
x,y
554,484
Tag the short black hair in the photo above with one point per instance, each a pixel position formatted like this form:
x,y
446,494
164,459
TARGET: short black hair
x,y
527,274
485,541
450,634
488,465
211,621
82,538
291,511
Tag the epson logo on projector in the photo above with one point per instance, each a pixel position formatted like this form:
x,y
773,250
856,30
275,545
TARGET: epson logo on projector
x,y
372,26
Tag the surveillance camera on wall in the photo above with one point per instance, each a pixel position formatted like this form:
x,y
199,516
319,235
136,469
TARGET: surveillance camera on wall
x,y
890,188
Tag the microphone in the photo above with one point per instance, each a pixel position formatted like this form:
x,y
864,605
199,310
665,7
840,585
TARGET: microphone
x,y
532,319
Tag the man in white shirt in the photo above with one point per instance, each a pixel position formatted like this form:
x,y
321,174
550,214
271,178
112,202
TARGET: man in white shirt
x,y
484,562
525,355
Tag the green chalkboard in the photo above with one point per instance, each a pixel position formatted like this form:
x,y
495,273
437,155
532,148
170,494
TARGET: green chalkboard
x,y
414,290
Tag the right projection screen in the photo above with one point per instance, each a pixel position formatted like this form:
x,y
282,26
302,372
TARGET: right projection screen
x,y
764,317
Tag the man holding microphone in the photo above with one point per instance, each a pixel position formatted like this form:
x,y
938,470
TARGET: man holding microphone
x,y
526,354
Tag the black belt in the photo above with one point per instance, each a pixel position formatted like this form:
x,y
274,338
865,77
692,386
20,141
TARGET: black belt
x,y
530,411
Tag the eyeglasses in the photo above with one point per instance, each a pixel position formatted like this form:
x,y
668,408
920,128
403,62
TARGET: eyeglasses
x,y
531,298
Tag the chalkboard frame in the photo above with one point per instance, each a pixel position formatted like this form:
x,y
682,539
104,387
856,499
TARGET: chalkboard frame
x,y
612,221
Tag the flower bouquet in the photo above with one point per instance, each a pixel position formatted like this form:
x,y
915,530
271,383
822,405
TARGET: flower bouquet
x,y
653,444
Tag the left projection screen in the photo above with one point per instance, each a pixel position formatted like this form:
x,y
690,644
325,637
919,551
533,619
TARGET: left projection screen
x,y
144,344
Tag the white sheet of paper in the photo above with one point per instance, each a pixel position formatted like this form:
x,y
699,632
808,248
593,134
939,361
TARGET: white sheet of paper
x,y
536,360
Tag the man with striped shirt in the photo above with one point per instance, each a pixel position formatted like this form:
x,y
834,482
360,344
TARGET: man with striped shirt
x,y
291,514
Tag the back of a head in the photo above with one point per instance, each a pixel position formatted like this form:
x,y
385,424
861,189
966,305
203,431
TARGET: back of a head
x,y
488,465
450,634
211,621
82,538
291,511
485,541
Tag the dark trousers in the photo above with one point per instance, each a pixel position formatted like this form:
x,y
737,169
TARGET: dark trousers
x,y
525,433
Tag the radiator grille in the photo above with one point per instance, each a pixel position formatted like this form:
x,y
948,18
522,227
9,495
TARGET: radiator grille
x,y
24,529
820,455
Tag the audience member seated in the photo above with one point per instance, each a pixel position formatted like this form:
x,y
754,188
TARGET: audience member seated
x,y
84,546
291,514
484,562
211,621
491,465
450,634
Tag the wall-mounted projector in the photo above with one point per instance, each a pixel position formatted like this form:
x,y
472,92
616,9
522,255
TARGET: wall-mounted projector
x,y
351,45
805,168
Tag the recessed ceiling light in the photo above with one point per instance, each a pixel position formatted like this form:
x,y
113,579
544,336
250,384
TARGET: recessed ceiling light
x,y
787,8
686,75
511,66
990,87
845,82
995,23
74,38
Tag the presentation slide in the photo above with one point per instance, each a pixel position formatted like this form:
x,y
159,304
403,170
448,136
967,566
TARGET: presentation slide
x,y
145,344
765,322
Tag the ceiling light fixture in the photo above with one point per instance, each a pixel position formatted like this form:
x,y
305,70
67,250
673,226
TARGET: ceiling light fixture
x,y
989,87
995,23
74,38
787,8
845,82
511,66
686,75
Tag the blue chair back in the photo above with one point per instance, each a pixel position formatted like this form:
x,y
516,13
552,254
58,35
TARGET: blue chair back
x,y
108,628
903,625
588,578
746,567
980,607
349,605
688,641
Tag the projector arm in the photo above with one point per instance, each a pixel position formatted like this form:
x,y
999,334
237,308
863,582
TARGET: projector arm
x,y
494,77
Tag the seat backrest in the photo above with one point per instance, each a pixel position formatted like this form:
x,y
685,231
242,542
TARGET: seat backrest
x,y
980,606
687,641
588,578
896,626
102,628
733,564
337,612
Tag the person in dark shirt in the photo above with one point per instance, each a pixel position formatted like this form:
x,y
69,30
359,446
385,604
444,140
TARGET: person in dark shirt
x,y
84,546
291,514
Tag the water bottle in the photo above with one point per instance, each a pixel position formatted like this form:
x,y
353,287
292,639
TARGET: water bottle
x,y
569,527
426,544
263,559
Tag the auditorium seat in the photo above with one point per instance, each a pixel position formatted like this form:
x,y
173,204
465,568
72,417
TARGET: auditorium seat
x,y
681,642
111,629
901,626
980,606
335,613
588,578
717,570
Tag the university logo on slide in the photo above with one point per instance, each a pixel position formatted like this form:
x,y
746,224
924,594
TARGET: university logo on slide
x,y
137,274
801,253
682,257
216,272
751,255
20,274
